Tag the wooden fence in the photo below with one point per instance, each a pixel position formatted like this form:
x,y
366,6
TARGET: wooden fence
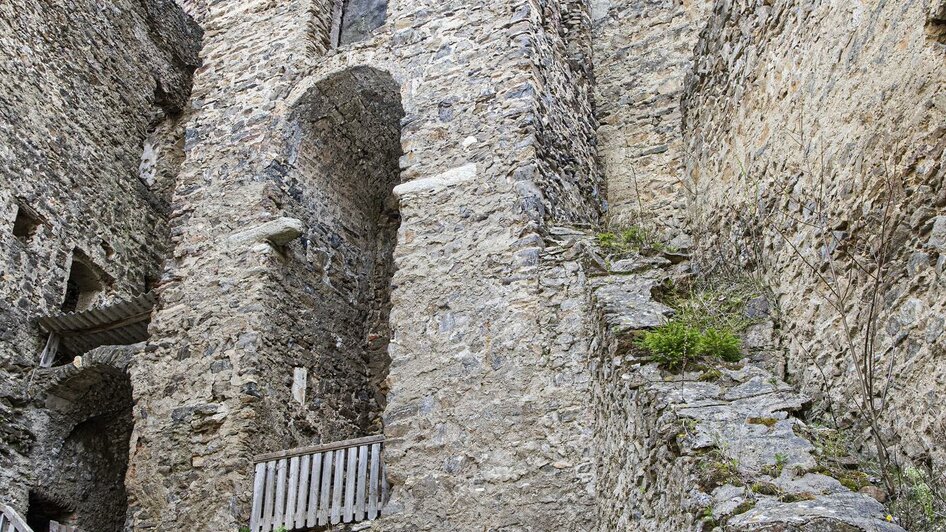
x,y
341,482
10,521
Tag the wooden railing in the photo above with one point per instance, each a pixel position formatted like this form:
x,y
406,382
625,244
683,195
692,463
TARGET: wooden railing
x,y
10,521
341,482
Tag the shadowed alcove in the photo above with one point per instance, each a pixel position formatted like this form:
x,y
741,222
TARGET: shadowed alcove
x,y
344,164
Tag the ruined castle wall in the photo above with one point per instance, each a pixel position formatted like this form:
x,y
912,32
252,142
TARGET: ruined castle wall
x,y
642,53
802,119
79,90
85,449
568,174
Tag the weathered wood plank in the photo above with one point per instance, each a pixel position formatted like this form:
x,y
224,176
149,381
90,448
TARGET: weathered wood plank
x,y
280,507
326,488
259,488
267,520
350,471
373,482
361,492
337,487
303,495
311,518
384,484
319,448
14,521
292,493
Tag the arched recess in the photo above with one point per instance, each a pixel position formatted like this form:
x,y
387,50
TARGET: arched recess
x,y
344,165
82,458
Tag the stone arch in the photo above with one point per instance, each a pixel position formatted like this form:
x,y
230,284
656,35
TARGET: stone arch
x,y
82,458
344,162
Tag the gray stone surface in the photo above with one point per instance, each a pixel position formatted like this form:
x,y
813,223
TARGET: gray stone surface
x,y
776,114
377,216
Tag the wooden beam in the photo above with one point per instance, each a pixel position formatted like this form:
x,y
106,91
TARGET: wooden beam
x,y
319,448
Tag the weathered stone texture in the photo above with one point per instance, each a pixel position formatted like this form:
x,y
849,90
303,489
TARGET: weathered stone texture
x,y
657,436
81,83
798,116
642,53
351,213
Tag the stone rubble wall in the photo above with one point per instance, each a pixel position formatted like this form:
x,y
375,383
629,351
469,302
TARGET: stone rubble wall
x,y
215,385
642,53
798,116
657,436
78,92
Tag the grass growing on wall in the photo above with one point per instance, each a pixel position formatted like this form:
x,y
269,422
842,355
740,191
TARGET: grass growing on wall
x,y
710,316
622,242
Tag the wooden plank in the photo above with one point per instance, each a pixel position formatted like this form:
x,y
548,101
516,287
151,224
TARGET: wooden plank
x,y
337,488
311,518
373,482
319,448
305,471
362,479
292,493
384,484
259,489
326,486
267,521
350,471
14,521
280,508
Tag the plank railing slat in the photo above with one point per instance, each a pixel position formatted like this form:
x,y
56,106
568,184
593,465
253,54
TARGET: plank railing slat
x,y
326,489
373,483
337,487
267,521
259,486
310,516
292,493
350,471
362,479
280,508
302,496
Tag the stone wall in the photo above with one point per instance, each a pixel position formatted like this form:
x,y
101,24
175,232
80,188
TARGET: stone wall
x,y
807,122
80,86
717,447
82,451
245,303
642,53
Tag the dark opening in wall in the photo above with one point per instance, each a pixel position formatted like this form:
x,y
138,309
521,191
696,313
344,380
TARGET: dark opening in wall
x,y
82,460
347,167
26,223
43,512
360,18
86,281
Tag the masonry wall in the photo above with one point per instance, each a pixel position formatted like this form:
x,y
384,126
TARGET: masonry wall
x,y
806,121
643,51
79,90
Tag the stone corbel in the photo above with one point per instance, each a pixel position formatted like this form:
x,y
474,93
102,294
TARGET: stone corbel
x,y
277,233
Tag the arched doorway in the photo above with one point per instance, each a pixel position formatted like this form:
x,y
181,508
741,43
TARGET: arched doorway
x,y
345,163
82,458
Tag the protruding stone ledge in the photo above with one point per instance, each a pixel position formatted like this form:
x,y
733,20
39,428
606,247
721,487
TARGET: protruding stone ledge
x,y
278,233
450,178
